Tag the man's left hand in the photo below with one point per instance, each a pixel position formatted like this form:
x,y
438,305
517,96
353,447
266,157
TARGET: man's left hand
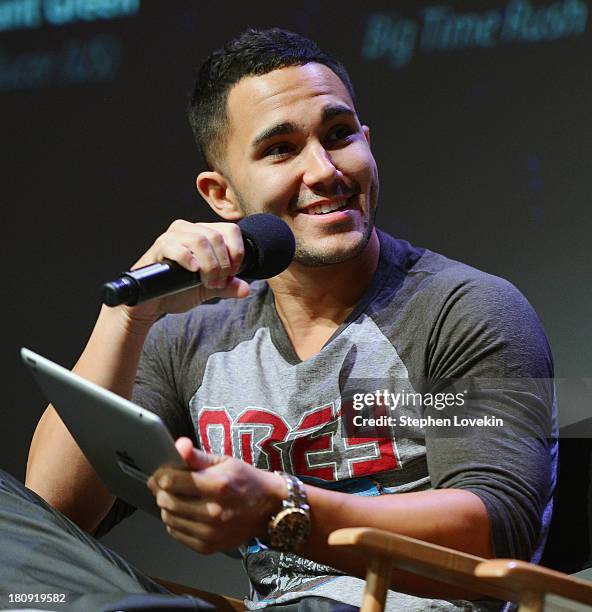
x,y
218,503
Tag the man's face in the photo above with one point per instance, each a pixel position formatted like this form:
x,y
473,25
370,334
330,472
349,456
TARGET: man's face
x,y
295,149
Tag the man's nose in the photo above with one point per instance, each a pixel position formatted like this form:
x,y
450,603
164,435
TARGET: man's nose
x,y
320,169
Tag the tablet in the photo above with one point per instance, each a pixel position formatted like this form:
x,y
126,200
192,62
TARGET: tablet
x,y
123,442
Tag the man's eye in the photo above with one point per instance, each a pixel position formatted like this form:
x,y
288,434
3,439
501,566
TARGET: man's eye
x,y
342,132
277,150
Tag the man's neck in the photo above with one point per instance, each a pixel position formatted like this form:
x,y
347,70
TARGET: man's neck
x,y
309,298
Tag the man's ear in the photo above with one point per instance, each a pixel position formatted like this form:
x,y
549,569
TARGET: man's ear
x,y
218,193
366,131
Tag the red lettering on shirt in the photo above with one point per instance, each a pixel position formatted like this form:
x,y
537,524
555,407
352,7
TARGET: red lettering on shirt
x,y
274,430
316,440
215,418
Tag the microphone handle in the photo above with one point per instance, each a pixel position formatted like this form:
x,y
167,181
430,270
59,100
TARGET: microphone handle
x,y
161,278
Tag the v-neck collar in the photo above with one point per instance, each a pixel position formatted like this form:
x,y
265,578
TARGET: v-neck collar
x,y
279,335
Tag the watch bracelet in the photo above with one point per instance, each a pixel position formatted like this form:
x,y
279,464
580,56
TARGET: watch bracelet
x,y
295,502
296,493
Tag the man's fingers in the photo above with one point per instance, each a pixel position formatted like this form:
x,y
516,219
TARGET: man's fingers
x,y
218,248
215,250
209,482
208,253
212,483
189,507
173,503
202,530
176,482
209,249
234,244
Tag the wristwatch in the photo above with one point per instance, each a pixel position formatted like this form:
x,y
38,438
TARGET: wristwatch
x,y
290,527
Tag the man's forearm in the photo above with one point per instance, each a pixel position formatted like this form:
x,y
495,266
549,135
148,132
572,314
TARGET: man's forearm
x,y
448,517
221,502
56,468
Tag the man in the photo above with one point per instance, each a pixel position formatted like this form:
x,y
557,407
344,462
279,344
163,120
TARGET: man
x,y
253,385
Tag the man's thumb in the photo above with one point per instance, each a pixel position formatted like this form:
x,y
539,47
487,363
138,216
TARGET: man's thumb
x,y
235,288
194,458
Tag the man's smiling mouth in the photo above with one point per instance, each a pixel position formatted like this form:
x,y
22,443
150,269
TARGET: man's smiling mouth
x,y
326,207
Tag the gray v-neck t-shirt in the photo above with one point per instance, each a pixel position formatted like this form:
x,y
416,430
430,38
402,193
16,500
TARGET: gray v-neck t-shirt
x,y
227,375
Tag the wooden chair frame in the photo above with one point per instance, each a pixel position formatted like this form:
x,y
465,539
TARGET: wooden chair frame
x,y
503,579
534,583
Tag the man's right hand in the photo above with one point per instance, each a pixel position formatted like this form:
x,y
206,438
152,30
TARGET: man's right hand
x,y
216,250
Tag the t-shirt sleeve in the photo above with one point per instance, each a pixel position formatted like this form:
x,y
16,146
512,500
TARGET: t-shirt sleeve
x,y
488,339
161,381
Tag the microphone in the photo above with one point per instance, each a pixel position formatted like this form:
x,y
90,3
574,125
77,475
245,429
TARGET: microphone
x,y
269,250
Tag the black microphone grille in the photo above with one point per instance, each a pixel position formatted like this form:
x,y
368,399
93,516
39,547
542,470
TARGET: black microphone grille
x,y
274,243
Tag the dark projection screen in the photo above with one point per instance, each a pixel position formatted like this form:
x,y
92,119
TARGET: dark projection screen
x,y
480,123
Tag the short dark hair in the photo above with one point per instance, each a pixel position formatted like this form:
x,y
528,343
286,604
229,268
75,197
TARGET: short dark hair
x,y
254,52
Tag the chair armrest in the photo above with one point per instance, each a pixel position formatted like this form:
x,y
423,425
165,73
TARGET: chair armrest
x,y
530,578
422,558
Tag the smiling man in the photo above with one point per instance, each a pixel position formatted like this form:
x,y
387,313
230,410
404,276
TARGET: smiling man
x,y
254,385
296,149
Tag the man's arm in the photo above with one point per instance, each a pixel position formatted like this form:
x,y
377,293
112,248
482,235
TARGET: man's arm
x,y
56,468
453,518
225,502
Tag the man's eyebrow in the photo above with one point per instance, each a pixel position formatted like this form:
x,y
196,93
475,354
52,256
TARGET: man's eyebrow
x,y
280,129
275,130
329,112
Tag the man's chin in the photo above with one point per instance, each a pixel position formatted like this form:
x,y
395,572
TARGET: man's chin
x,y
330,255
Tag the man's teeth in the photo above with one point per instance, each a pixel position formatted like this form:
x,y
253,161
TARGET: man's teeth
x,y
325,208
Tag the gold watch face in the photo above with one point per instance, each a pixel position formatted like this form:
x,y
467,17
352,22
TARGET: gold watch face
x,y
289,528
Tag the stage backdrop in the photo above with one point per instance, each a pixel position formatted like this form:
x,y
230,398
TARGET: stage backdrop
x,y
481,125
